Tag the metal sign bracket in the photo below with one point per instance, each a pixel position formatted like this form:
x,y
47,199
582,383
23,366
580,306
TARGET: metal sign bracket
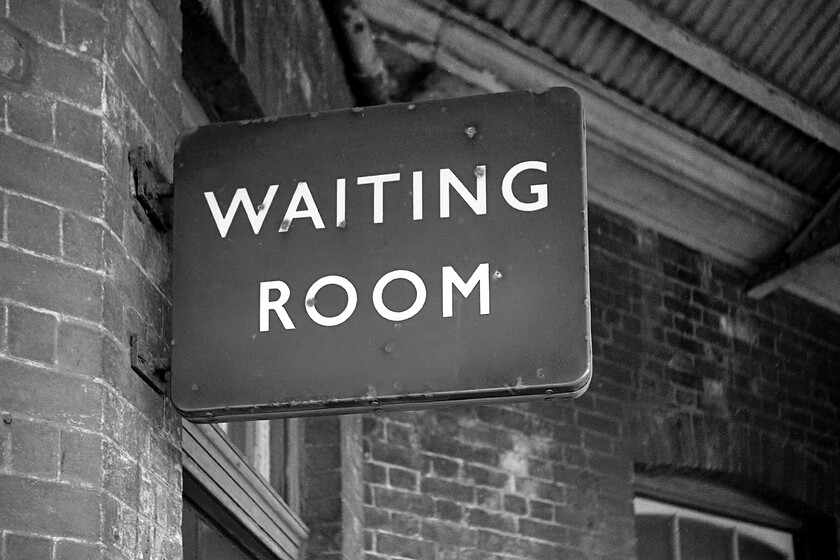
x,y
153,370
148,191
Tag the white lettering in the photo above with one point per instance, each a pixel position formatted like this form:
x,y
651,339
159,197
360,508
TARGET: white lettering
x,y
302,194
450,279
417,194
311,296
340,203
419,300
478,203
267,305
540,190
378,181
240,197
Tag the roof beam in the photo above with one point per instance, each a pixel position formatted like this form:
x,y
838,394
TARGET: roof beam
x,y
817,240
689,48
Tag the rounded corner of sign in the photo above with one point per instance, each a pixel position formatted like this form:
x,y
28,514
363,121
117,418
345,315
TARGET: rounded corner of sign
x,y
565,94
579,386
584,381
185,138
185,409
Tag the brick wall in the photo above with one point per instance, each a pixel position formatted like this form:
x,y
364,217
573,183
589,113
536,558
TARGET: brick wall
x,y
90,458
690,375
332,487
321,486
706,370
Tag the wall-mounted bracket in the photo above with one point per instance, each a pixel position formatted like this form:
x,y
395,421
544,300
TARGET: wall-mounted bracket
x,y
148,190
153,370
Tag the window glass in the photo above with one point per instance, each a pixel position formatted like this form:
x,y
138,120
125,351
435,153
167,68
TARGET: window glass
x,y
696,535
204,541
654,537
701,540
753,549
270,448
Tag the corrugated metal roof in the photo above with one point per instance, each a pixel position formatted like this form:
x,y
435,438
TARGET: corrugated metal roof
x,y
795,45
792,43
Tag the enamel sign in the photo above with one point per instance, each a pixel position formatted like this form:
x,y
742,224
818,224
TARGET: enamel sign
x,y
399,256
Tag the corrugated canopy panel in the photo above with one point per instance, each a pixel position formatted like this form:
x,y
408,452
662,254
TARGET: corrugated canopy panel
x,y
794,45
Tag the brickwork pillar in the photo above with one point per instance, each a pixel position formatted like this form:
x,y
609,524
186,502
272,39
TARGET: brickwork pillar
x,y
89,454
332,488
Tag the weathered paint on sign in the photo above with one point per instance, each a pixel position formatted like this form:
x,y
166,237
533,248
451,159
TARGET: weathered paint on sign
x,y
386,257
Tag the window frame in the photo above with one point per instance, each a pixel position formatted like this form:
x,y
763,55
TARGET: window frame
x,y
779,540
706,496
207,511
272,448
213,461
714,498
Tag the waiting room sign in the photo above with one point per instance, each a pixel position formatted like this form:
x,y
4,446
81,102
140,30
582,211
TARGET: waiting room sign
x,y
390,257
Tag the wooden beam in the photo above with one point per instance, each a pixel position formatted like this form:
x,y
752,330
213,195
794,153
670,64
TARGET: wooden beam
x,y
208,455
689,48
819,239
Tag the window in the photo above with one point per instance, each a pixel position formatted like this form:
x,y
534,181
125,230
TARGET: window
x,y
271,448
236,497
669,532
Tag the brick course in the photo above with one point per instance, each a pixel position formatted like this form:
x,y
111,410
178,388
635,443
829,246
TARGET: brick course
x,y
31,335
31,116
25,547
34,226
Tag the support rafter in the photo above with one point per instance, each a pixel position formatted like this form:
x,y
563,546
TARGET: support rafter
x,y
819,239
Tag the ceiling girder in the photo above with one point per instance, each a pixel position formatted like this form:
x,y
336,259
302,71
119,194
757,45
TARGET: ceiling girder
x,y
819,239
